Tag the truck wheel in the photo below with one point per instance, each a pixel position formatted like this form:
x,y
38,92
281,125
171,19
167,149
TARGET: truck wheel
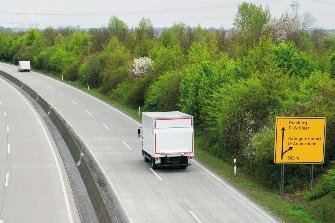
x,y
153,164
182,167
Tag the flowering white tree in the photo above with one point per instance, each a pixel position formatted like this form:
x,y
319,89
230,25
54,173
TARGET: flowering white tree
x,y
141,65
283,29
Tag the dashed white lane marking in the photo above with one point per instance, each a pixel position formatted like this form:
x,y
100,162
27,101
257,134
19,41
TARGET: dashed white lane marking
x,y
262,212
156,174
105,126
92,97
124,143
195,217
89,113
8,148
66,199
1,221
73,102
61,94
1,103
7,180
5,114
7,128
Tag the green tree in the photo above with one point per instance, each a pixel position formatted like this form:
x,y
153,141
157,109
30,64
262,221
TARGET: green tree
x,y
118,28
166,58
164,94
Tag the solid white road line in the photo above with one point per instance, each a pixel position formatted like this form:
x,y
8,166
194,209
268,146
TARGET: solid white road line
x,y
108,180
7,180
52,149
156,174
195,217
89,113
106,127
8,148
7,128
124,143
262,212
73,102
4,114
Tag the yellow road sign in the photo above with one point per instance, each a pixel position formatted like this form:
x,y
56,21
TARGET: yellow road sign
x,y
300,140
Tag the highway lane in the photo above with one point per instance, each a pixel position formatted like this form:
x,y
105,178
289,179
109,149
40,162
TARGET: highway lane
x,y
191,195
33,183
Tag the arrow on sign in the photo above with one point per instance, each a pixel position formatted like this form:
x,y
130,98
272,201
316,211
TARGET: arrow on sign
x,y
282,144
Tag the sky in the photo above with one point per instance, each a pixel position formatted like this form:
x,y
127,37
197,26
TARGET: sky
x,y
163,13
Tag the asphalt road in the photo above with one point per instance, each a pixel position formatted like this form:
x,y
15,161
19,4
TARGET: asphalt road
x,y
191,195
34,186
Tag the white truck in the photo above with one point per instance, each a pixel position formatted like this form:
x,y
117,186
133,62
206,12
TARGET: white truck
x,y
167,138
24,66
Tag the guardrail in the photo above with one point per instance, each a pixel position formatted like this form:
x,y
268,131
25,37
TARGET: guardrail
x,y
102,196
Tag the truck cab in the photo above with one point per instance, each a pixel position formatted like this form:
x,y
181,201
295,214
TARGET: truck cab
x,y
167,138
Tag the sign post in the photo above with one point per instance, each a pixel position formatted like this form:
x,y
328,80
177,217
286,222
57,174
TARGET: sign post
x,y
299,140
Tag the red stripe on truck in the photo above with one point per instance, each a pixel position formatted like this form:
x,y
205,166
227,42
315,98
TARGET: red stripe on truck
x,y
174,119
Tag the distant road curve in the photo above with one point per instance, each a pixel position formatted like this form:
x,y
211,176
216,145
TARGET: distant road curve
x,y
192,195
33,183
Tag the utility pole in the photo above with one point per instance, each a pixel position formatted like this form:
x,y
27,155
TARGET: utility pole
x,y
295,6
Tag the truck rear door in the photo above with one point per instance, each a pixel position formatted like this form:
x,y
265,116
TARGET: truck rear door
x,y
173,136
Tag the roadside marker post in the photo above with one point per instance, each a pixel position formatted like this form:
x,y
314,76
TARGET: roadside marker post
x,y
139,111
299,140
62,77
235,169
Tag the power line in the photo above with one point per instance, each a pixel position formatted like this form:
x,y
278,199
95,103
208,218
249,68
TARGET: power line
x,y
193,9
324,2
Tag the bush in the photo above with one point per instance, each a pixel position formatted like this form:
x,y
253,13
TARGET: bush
x,y
323,187
71,72
293,62
89,72
163,95
137,92
117,65
259,158
121,92
236,112
166,58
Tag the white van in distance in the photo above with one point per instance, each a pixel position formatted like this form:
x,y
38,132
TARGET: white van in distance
x,y
167,138
24,66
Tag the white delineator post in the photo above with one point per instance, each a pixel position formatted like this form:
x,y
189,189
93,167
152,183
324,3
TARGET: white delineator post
x,y
235,166
139,111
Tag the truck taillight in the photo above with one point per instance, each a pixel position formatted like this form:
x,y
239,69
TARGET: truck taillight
x,y
190,157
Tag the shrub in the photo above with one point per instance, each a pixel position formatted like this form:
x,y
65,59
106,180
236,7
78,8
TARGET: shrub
x,y
324,186
116,67
71,71
166,58
163,95
137,92
89,72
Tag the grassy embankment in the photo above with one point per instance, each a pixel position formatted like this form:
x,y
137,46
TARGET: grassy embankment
x,y
291,208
